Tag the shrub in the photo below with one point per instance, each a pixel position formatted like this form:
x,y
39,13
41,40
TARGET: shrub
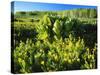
x,y
60,55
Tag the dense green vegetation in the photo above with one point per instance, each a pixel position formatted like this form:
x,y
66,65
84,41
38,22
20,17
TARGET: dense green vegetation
x,y
54,41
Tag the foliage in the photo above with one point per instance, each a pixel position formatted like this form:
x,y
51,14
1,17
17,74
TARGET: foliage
x,y
52,41
60,55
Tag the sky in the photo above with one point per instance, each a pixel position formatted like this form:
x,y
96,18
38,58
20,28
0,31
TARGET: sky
x,y
36,6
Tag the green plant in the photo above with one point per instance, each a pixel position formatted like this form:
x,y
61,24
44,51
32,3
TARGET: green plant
x,y
54,43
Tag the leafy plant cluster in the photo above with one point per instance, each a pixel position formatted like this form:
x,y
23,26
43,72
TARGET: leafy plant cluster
x,y
70,54
53,27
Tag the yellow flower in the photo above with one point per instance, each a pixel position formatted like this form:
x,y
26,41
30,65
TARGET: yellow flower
x,y
42,62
